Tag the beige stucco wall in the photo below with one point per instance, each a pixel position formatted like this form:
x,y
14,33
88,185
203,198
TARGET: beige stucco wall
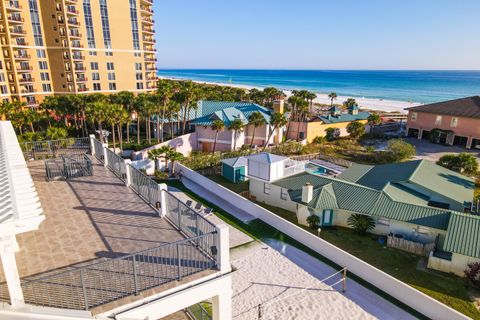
x,y
466,127
316,129
456,266
273,199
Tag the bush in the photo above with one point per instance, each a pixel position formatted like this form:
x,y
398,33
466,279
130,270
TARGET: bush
x,y
288,148
332,133
356,129
161,175
30,136
400,150
313,221
319,140
56,133
361,223
472,273
463,163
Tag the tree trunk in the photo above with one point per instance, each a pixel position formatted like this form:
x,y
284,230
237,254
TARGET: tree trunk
x,y
101,132
215,143
235,140
158,127
268,139
113,137
138,129
31,127
163,117
128,132
120,136
253,136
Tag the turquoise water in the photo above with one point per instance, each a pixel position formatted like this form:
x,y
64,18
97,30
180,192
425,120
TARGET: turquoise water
x,y
417,86
315,169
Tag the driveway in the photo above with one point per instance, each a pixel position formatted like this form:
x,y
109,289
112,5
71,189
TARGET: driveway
x,y
433,152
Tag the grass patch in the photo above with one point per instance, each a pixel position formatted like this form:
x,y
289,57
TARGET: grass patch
x,y
235,187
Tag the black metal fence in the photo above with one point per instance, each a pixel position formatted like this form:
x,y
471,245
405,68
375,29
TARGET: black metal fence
x,y
39,150
104,282
67,167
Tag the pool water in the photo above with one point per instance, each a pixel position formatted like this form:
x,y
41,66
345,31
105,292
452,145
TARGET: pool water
x,y
315,169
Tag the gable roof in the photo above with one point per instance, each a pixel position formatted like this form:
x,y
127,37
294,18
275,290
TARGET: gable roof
x,y
208,111
464,107
424,173
344,117
463,235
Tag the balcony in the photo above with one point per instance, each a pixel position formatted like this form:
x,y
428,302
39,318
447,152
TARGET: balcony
x,y
77,45
72,12
13,6
15,19
148,2
71,1
149,40
17,32
73,22
148,30
26,80
82,79
150,59
120,249
80,69
75,35
24,69
148,20
27,91
82,89
23,56
78,57
146,9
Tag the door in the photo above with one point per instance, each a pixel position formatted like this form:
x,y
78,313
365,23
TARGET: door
x,y
327,217
206,146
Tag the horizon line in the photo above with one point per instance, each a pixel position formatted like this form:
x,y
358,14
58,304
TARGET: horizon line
x,y
293,69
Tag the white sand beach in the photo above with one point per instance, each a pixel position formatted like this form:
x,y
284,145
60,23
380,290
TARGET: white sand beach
x,y
276,281
364,103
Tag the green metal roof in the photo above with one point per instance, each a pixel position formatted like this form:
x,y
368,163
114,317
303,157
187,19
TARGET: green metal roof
x,y
424,173
339,194
463,235
344,117
236,162
227,112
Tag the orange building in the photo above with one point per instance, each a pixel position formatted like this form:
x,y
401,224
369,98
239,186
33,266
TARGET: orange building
x,y
454,122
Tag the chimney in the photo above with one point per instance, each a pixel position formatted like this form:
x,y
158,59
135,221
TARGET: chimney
x,y
279,106
307,192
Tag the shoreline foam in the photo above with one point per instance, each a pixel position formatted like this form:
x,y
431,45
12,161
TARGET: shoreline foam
x,y
364,103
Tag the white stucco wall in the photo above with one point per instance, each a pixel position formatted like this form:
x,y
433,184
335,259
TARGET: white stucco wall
x,y
273,199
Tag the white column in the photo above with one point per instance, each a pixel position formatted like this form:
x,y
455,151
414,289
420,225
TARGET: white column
x,y
163,199
469,143
7,255
105,159
92,146
222,305
223,245
420,134
129,176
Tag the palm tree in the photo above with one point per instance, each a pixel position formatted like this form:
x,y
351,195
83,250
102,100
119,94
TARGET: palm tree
x,y
126,99
277,120
160,153
145,105
349,103
174,156
98,111
217,126
236,126
256,119
165,92
332,96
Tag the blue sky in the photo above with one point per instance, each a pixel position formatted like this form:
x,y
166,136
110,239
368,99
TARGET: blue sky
x,y
318,34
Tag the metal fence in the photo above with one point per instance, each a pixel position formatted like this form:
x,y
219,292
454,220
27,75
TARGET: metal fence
x,y
94,285
67,167
198,312
99,150
145,187
319,156
116,164
38,150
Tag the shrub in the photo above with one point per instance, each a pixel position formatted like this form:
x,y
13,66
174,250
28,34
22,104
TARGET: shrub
x,y
463,163
400,150
374,119
356,129
55,133
472,273
319,140
288,148
161,175
313,221
332,133
361,223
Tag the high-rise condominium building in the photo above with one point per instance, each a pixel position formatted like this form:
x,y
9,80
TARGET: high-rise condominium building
x,y
75,47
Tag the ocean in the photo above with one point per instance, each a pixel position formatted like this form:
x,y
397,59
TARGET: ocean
x,y
413,86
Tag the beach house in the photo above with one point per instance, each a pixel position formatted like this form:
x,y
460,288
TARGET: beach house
x,y
316,126
418,202
228,140
454,122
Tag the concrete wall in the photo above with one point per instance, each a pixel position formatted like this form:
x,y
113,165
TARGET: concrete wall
x,y
184,144
316,129
397,289
456,266
466,127
273,199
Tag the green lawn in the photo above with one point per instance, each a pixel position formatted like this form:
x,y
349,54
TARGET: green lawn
x,y
446,288
235,187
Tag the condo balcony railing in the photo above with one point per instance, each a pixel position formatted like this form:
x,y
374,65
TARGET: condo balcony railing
x,y
13,5
17,32
149,2
23,56
26,80
25,68
15,19
82,89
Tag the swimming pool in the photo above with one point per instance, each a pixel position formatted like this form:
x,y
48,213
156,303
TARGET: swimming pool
x,y
317,169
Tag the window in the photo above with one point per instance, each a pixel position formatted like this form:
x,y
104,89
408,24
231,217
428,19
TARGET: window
x,y
109,53
4,89
266,188
95,76
43,65
111,76
36,27
41,54
383,221
2,77
96,87
46,87
134,20
301,136
438,120
45,76
110,66
139,76
112,86
105,24
284,194
94,65
139,86
454,122
87,9
414,116
138,66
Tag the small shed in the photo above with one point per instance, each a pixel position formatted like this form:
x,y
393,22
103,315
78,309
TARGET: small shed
x,y
235,169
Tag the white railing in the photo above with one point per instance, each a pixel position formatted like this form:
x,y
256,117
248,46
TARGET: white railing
x,y
293,167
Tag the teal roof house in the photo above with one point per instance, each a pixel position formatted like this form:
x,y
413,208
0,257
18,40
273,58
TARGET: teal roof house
x,y
418,202
228,140
235,169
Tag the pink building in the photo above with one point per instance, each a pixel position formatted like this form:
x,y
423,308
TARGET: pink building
x,y
454,122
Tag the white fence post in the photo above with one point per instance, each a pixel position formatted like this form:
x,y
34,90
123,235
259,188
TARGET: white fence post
x,y
92,145
223,252
10,269
128,181
105,158
163,199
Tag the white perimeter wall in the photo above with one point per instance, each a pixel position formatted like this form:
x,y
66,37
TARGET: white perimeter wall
x,y
397,289
183,144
